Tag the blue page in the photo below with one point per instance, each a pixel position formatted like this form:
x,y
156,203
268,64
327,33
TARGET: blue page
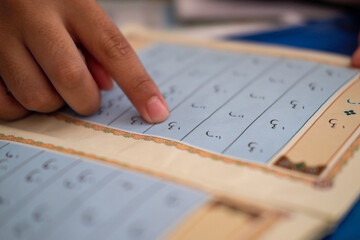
x,y
50,195
243,106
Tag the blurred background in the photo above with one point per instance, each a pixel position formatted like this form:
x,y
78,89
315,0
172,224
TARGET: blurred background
x,y
325,25
328,25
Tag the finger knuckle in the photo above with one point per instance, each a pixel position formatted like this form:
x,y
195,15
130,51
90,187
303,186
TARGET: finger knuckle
x,y
72,76
114,45
37,101
141,84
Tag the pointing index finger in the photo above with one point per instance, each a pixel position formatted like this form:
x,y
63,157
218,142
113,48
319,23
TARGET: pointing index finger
x,y
106,43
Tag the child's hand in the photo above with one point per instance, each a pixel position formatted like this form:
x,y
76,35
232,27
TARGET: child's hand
x,y
41,66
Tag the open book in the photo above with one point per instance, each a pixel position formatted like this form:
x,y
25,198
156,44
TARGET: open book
x,y
262,142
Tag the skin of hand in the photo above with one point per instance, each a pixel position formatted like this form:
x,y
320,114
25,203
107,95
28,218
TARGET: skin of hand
x,y
57,52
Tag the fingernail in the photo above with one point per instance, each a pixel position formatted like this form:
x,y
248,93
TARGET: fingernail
x,y
156,109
